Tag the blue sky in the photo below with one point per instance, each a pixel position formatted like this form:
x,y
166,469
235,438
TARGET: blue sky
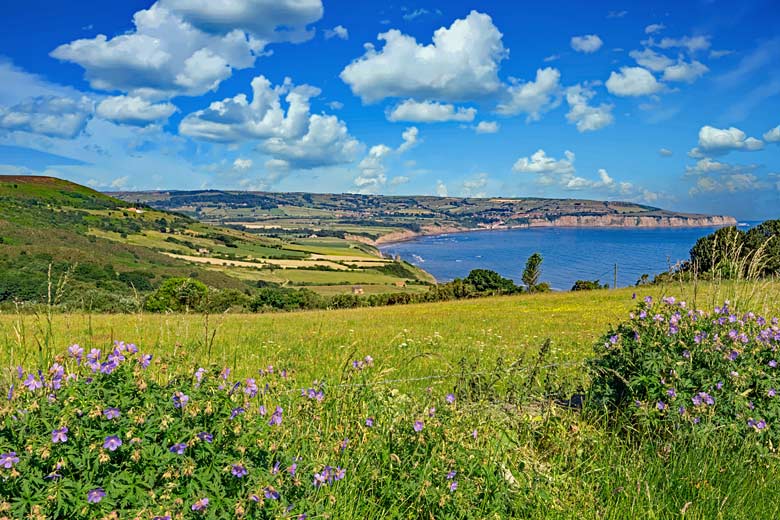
x,y
673,104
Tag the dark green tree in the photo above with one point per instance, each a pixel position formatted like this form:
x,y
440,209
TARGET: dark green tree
x,y
177,295
487,281
532,272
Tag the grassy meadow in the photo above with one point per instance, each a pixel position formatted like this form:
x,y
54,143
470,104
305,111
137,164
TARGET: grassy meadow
x,y
527,457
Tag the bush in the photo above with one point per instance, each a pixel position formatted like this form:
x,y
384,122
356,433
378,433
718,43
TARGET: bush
x,y
177,295
670,368
588,285
114,435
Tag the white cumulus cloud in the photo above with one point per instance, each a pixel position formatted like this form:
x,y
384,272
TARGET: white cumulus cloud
x,y
533,97
51,116
461,63
654,28
487,127
687,72
540,162
134,111
652,60
337,32
587,43
242,164
773,135
718,141
429,112
632,81
586,117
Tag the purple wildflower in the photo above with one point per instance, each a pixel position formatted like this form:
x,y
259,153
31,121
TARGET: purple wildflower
x,y
292,469
661,405
206,437
199,374
344,444
450,398
146,360
771,392
8,460
236,412
200,505
719,385
112,443
238,470
418,426
262,410
94,355
733,355
178,448
250,387
671,393
453,486
60,435
275,469
75,351
773,363
111,413
180,399
276,417
270,493
32,383
339,474
451,475
370,422
95,495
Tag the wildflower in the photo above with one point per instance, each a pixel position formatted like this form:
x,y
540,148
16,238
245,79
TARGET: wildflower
x,y
431,411
275,469
236,412
9,460
368,360
474,434
146,360
370,422
339,474
648,299
262,410
773,363
75,351
614,339
112,443
10,392
200,505
719,385
178,448
111,413
292,469
418,426
199,375
344,444
453,486
661,405
180,399
250,387
94,355
686,354
238,470
357,365
671,393
95,495
760,425
206,437
60,435
32,383
451,475
733,355
276,417
771,392
681,410
270,493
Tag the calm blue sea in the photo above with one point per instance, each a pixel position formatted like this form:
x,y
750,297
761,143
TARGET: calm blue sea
x,y
569,253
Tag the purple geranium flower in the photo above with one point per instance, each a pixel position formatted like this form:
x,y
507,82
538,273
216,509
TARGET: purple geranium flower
x,y
270,493
200,505
370,422
276,417
206,437
95,495
236,412
180,399
661,405
60,435
453,486
112,443
178,448
238,470
75,351
450,398
8,460
111,413
451,475
146,360
418,426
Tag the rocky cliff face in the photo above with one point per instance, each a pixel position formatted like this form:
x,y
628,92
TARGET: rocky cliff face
x,y
634,221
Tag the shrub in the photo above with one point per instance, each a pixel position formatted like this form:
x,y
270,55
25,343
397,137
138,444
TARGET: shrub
x,y
176,295
115,435
670,368
588,285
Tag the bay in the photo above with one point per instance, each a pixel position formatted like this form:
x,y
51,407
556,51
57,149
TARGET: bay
x,y
570,254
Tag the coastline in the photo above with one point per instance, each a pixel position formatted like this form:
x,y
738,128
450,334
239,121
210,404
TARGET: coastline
x,y
679,222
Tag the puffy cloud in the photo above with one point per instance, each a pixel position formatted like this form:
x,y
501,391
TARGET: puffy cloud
x,y
533,97
187,47
587,117
335,105
48,115
337,32
687,72
487,127
475,187
279,20
461,63
654,28
302,139
731,183
373,170
587,43
133,111
773,135
441,189
717,141
665,152
242,164
650,59
429,112
540,163
632,81
691,43
409,136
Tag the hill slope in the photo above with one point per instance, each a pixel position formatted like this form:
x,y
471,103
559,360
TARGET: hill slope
x,y
109,251
379,219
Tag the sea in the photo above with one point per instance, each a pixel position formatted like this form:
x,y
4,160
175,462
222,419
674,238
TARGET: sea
x,y
569,254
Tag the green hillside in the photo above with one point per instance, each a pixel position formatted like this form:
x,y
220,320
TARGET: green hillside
x,y
108,254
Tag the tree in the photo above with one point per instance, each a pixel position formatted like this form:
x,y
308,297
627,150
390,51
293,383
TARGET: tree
x,y
487,281
588,285
176,295
532,272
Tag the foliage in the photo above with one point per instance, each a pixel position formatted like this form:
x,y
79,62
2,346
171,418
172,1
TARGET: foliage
x,y
487,281
588,285
177,295
532,272
672,368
